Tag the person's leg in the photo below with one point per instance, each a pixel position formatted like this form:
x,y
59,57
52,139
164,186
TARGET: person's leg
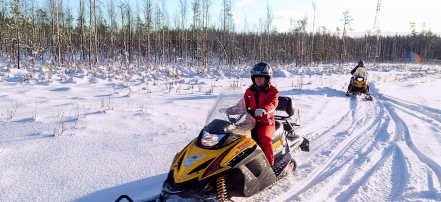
x,y
265,134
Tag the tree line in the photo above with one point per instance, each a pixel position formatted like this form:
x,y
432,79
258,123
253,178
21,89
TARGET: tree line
x,y
102,34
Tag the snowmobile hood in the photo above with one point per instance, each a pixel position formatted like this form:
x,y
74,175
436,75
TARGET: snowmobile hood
x,y
201,163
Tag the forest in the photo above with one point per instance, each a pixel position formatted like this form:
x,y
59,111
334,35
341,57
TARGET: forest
x,y
114,32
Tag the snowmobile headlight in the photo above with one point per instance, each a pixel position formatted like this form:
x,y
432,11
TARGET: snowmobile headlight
x,y
360,79
210,139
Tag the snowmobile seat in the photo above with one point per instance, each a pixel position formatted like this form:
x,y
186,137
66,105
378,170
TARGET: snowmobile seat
x,y
285,105
278,134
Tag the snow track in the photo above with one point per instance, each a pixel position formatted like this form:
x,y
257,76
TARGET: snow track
x,y
367,153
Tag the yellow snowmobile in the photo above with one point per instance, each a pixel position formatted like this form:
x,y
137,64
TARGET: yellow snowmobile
x,y
359,83
224,161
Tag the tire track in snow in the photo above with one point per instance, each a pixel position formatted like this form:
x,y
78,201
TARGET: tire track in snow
x,y
330,124
428,111
326,169
396,190
402,128
426,114
399,167
317,129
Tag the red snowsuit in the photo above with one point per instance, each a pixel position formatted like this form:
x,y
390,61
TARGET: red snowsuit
x,y
268,98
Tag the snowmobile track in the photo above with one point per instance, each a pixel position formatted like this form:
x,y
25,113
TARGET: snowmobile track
x,y
377,142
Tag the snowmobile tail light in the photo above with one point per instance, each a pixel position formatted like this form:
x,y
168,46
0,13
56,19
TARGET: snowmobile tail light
x,y
210,139
360,79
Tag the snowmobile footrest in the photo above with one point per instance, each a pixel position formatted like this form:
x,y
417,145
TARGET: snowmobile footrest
x,y
292,136
280,166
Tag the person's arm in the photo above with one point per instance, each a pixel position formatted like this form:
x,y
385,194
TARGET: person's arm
x,y
272,102
246,99
353,70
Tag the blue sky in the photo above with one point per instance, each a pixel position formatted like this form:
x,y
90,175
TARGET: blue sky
x,y
395,15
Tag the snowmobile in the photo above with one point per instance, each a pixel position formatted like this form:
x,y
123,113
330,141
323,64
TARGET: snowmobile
x,y
359,83
225,161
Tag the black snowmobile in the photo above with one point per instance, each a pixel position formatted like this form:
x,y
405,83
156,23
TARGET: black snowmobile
x,y
359,83
224,160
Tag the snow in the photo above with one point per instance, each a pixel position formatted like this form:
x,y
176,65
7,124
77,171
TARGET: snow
x,y
91,137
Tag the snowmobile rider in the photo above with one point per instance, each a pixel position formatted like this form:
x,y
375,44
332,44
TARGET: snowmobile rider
x,y
359,64
263,98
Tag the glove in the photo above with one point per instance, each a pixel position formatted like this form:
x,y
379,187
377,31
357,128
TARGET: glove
x,y
259,112
223,110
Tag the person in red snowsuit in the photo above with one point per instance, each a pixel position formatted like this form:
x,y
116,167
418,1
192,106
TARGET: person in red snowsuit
x,y
263,98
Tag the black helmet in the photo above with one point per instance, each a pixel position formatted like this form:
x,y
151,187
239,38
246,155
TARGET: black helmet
x,y
360,63
261,69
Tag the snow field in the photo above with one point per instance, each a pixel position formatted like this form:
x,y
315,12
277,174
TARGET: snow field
x,y
86,138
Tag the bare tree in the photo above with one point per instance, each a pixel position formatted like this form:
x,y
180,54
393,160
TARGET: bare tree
x,y
51,33
95,33
347,19
57,11
165,32
112,21
205,20
129,31
377,30
183,34
268,22
69,35
148,24
91,26
205,13
2,25
311,57
123,8
226,15
300,42
138,36
17,15
81,30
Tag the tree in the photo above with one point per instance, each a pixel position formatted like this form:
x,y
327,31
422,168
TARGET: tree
x,y
377,30
2,25
17,15
268,22
57,9
227,16
81,30
347,19
123,8
311,57
183,32
148,24
112,20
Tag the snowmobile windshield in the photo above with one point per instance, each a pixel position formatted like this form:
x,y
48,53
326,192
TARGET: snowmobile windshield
x,y
231,109
361,72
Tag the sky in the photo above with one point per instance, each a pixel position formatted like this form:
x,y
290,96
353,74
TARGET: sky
x,y
394,16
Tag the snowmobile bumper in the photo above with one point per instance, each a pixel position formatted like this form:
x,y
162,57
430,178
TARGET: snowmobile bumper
x,y
189,189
